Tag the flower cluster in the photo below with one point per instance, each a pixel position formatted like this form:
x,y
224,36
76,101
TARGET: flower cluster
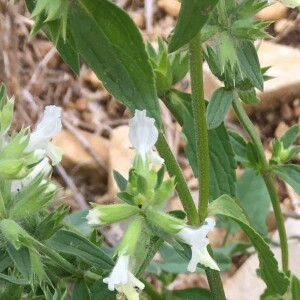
x,y
145,194
39,144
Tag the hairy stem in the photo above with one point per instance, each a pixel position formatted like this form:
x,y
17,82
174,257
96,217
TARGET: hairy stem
x,y
181,185
151,290
201,135
266,174
200,127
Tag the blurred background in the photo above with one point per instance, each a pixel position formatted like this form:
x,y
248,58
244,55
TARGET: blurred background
x,y
95,126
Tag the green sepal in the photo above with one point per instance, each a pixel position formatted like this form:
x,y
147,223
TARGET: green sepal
x,y
249,96
160,176
31,198
131,237
6,115
14,234
126,197
163,193
51,223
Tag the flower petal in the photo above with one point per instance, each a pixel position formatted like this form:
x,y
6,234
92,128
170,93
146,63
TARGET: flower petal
x,y
49,126
42,167
203,257
119,274
142,133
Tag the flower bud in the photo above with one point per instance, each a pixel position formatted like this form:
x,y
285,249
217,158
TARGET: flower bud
x,y
108,214
165,222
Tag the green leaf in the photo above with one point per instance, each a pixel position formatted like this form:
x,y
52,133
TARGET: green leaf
x,y
14,280
295,282
21,258
222,162
192,17
218,106
275,280
111,44
71,243
78,221
100,288
175,261
249,63
81,291
239,146
65,48
290,136
193,294
120,180
11,290
290,174
5,260
255,199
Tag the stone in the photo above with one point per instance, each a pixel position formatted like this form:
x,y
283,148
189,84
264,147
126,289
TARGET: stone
x,y
281,129
120,156
284,62
285,85
171,7
43,47
90,77
78,162
273,12
139,18
284,25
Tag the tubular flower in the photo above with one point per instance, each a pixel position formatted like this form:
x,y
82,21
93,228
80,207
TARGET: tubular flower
x,y
143,135
108,214
122,280
288,3
198,241
43,167
49,126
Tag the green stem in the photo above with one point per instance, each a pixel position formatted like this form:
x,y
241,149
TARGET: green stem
x,y
222,12
200,127
151,290
279,220
249,127
201,136
181,185
266,174
214,280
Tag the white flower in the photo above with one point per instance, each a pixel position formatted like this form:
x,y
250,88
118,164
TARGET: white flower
x,y
198,241
42,167
288,3
49,126
122,280
143,135
94,217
